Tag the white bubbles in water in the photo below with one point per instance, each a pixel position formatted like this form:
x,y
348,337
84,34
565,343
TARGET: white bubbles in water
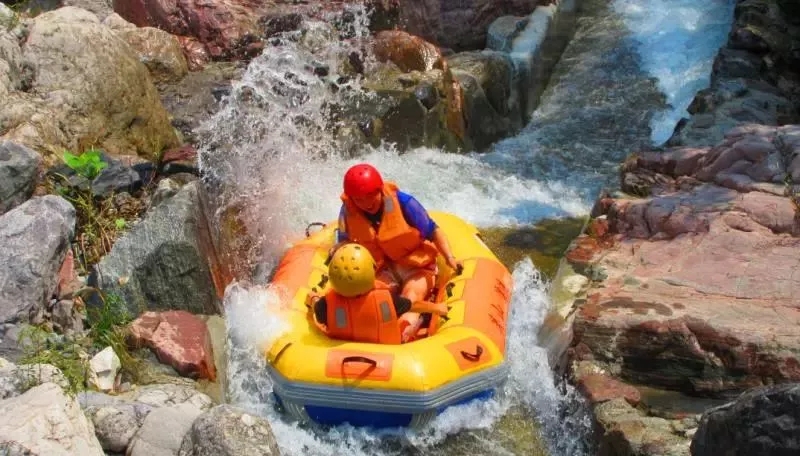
x,y
677,41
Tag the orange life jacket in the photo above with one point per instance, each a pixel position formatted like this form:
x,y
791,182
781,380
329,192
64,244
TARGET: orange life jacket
x,y
369,318
394,238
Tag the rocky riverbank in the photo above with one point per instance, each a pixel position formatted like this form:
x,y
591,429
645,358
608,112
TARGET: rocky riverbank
x,y
681,293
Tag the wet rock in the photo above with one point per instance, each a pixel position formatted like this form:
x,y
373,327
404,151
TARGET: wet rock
x,y
88,88
44,420
761,421
35,238
503,31
161,263
227,431
408,52
192,100
490,95
457,25
179,339
18,174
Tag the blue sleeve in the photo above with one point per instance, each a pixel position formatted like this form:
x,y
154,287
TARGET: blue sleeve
x,y
416,215
341,231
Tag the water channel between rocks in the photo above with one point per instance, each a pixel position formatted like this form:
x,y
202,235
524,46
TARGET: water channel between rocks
x,y
622,82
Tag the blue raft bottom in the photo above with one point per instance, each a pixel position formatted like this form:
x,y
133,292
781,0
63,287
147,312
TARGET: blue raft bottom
x,y
331,416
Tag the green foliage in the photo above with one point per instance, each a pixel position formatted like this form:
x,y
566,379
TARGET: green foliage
x,y
109,328
88,164
120,223
67,354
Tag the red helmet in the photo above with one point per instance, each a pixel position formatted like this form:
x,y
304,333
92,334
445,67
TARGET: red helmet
x,y
362,180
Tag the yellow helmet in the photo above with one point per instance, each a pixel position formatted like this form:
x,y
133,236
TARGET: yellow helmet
x,y
352,270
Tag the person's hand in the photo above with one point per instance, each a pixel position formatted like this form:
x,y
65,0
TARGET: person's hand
x,y
311,298
411,330
457,265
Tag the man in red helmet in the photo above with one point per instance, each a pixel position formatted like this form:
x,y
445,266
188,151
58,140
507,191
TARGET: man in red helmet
x,y
398,232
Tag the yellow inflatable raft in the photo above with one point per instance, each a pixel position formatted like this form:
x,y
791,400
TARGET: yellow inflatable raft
x,y
328,381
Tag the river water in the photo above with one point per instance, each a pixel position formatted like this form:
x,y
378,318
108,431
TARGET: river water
x,y
622,83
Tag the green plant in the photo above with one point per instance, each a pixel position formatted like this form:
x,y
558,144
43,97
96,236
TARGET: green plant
x,y
88,164
100,221
67,354
109,328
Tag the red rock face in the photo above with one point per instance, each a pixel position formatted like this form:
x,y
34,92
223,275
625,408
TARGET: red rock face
x,y
701,290
458,24
178,338
601,388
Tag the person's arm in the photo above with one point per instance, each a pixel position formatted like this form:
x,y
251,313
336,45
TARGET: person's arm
x,y
416,216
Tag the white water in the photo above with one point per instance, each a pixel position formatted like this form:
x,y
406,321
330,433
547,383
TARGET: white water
x,y
677,41
268,151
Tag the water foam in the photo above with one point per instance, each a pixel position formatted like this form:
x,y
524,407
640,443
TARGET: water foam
x,y
677,40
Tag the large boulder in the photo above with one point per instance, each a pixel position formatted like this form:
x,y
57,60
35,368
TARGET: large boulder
x,y
227,431
34,237
19,167
44,420
162,262
163,430
88,88
761,421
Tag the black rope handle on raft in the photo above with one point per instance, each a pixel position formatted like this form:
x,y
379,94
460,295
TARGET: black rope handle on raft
x,y
308,228
473,356
359,359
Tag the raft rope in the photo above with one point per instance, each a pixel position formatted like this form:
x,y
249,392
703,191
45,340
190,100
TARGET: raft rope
x,y
319,224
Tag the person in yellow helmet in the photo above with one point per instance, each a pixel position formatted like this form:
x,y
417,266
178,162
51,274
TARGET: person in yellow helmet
x,y
358,307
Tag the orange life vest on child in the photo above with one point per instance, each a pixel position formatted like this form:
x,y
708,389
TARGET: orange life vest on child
x,y
369,318
394,238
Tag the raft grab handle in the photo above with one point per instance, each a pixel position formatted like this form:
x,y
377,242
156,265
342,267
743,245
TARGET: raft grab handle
x,y
308,228
473,356
359,359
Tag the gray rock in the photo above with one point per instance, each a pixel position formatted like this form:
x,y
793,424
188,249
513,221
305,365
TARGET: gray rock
x,y
161,263
762,421
115,178
168,395
34,239
44,420
17,379
228,431
116,425
163,431
501,33
18,174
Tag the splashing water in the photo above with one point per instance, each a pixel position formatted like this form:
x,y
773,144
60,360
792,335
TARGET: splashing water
x,y
270,154
677,41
